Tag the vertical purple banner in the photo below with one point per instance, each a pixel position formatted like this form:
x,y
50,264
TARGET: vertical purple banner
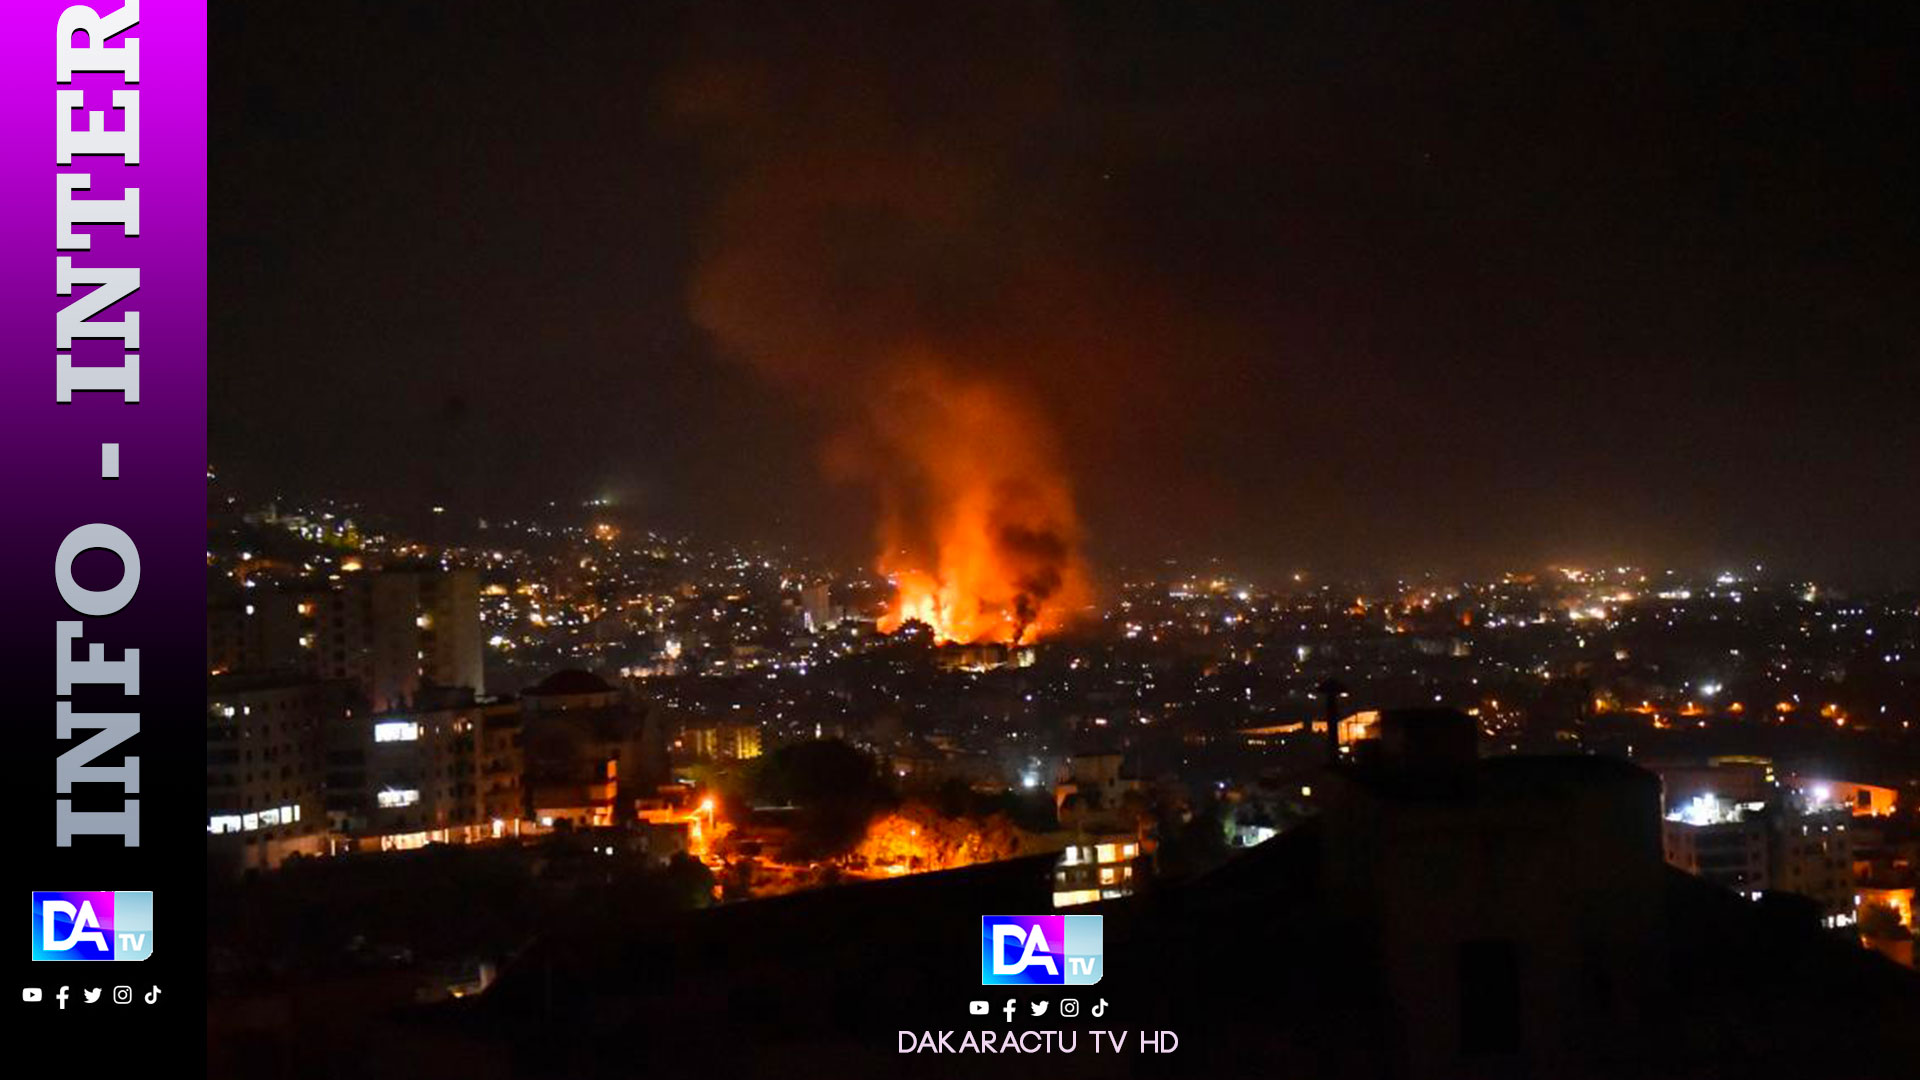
x,y
103,259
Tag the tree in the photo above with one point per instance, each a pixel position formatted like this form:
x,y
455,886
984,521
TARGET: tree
x,y
996,838
920,837
1194,845
688,881
835,788
1880,922
736,882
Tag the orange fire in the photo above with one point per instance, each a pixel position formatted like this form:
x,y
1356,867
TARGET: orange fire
x,y
979,533
959,614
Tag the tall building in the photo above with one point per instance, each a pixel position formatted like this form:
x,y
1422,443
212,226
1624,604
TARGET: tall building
x,y
1754,847
252,632
1725,845
592,753
449,624
447,770
1472,883
396,631
266,766
817,610
1813,856
724,741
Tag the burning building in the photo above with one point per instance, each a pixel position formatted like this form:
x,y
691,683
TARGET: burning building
x,y
866,257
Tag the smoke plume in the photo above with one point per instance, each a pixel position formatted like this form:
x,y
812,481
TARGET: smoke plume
x,y
867,251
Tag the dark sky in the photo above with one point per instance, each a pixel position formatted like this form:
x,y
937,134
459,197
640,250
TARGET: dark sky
x,y
1320,284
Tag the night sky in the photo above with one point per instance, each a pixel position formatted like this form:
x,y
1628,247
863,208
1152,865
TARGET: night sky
x,y
1349,287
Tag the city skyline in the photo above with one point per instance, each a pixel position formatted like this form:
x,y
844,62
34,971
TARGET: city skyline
x,y
436,526
1259,292
576,733
747,538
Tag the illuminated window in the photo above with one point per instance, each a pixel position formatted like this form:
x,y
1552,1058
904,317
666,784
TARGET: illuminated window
x,y
1108,852
396,731
403,842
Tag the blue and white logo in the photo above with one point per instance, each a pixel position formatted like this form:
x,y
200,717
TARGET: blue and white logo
x,y
1041,950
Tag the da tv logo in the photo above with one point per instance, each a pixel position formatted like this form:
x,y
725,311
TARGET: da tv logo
x,y
92,925
1041,950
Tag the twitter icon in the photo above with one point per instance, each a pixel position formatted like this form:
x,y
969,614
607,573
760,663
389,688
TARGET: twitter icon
x,y
91,995
1039,1008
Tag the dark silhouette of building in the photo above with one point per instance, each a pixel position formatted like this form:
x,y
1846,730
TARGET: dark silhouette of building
x,y
591,750
1444,917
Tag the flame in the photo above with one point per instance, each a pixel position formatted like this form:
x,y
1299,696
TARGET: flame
x,y
960,615
879,265
979,535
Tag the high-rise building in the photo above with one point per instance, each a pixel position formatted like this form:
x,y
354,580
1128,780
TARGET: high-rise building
x,y
1753,847
396,631
1813,856
266,766
817,611
724,741
449,625
1725,845
252,632
447,770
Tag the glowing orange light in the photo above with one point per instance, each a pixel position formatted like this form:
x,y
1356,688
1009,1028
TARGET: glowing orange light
x,y
961,613
979,533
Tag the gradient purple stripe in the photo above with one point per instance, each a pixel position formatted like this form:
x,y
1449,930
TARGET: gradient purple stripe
x,y
53,475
